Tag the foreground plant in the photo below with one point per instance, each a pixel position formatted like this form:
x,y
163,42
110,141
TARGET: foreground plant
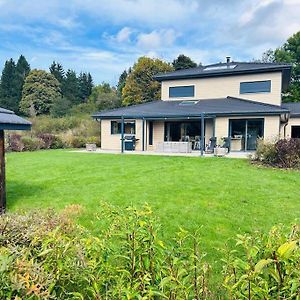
x,y
46,256
264,266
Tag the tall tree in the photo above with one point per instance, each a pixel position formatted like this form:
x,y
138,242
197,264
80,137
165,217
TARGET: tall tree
x,y
70,87
183,62
8,88
104,97
40,90
140,86
22,70
290,53
57,70
121,82
85,85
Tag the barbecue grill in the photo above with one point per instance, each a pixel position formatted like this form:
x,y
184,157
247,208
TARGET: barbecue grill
x,y
129,142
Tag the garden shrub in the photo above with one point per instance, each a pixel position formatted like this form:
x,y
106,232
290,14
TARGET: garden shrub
x,y
51,141
14,142
284,153
32,143
264,266
46,256
288,153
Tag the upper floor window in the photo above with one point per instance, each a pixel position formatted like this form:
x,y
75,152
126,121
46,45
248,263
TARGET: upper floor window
x,y
182,91
129,127
255,87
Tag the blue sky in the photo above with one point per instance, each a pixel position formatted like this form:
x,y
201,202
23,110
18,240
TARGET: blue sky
x,y
106,36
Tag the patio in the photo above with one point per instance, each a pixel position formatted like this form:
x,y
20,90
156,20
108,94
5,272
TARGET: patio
x,y
243,155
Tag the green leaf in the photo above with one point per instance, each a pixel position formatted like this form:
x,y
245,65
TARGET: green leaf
x,y
45,252
261,264
287,249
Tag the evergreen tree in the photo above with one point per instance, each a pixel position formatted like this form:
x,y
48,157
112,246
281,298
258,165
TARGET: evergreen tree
x,y
183,62
85,86
71,88
22,70
8,88
90,83
57,70
121,82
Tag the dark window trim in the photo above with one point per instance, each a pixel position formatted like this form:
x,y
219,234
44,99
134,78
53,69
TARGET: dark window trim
x,y
119,126
182,86
256,92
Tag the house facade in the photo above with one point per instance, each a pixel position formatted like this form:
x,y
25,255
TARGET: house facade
x,y
229,104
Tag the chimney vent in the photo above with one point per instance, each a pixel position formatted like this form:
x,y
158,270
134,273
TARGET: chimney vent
x,y
227,59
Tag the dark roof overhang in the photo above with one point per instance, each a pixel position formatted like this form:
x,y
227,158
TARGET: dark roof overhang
x,y
10,121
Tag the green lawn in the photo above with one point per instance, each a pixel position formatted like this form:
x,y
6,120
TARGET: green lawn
x,y
226,196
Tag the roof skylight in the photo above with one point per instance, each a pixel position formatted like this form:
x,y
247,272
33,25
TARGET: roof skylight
x,y
223,67
188,102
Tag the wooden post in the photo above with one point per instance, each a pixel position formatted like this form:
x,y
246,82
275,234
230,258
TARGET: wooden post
x,y
2,174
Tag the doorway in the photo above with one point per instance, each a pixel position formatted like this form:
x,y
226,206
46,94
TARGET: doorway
x,y
295,132
244,133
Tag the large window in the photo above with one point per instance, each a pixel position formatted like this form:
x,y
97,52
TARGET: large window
x,y
244,133
255,87
129,127
181,91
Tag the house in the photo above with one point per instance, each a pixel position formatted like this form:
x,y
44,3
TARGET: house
x,y
230,104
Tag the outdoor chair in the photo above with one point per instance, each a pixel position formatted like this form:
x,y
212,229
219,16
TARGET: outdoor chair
x,y
211,145
197,143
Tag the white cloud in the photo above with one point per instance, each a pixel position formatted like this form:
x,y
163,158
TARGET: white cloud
x,y
156,39
124,35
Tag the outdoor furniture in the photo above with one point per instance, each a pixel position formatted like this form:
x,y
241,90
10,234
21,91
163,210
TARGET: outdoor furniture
x,y
174,147
90,147
211,145
197,143
220,151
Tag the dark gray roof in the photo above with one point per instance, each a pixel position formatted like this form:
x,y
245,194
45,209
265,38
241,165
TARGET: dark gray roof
x,y
227,69
293,107
10,121
167,109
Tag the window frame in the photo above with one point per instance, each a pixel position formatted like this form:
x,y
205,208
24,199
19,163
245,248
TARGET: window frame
x,y
182,87
256,91
119,124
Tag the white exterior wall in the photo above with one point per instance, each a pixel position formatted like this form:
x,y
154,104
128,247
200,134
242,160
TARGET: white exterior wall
x,y
221,87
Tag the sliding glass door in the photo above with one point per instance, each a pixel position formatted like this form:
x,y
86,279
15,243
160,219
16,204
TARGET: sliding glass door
x,y
244,133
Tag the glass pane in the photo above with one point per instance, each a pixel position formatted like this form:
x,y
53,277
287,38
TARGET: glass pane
x,y
182,91
255,87
254,131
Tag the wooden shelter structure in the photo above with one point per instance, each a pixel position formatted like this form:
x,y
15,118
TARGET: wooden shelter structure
x,y
8,121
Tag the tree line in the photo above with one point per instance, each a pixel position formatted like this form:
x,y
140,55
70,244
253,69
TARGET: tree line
x,y
59,92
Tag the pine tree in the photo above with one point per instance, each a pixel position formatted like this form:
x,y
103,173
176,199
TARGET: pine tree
x,y
90,84
8,90
57,70
71,87
22,70
121,82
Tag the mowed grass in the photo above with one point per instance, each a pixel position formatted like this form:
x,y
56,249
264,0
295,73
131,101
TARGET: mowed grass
x,y
225,196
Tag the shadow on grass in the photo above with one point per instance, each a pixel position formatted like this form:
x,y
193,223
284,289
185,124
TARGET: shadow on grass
x,y
16,191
